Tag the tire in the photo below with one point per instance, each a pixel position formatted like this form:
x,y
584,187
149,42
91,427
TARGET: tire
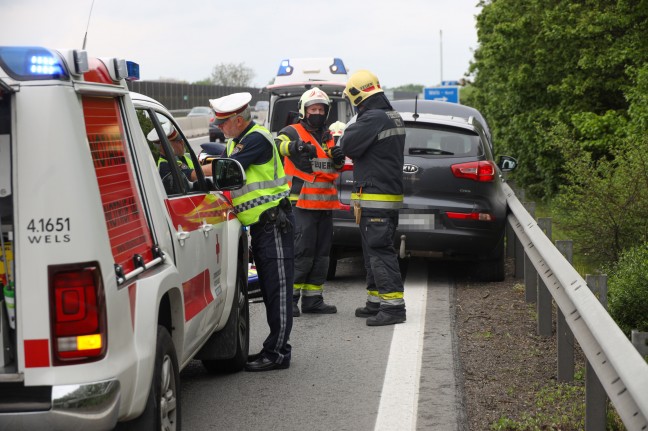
x,y
212,138
237,327
162,410
493,269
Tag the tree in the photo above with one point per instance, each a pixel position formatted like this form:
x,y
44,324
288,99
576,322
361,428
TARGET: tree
x,y
232,75
413,88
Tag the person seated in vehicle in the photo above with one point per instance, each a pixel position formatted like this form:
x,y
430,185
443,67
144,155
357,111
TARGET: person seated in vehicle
x,y
183,159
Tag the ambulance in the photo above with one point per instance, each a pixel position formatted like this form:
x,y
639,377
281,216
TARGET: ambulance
x,y
294,77
112,280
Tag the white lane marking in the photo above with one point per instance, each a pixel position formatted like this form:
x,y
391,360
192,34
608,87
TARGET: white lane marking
x,y
399,398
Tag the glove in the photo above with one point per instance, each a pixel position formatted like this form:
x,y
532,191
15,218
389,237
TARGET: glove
x,y
337,155
304,149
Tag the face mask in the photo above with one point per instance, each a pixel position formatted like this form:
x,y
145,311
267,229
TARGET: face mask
x,y
316,120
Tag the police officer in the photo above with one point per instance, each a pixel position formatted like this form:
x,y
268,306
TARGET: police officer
x,y
183,159
263,205
375,143
311,161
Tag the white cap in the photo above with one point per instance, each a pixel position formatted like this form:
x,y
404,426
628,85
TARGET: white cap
x,y
230,105
169,130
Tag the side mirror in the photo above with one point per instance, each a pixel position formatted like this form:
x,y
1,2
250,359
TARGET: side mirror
x,y
506,163
227,174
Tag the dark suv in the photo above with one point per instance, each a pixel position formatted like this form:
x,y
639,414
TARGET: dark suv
x,y
454,206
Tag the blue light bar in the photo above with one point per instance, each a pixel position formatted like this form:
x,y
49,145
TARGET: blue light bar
x,y
133,71
285,68
26,63
337,67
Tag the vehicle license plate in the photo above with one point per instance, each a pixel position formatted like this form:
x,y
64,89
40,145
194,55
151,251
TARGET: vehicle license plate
x,y
416,222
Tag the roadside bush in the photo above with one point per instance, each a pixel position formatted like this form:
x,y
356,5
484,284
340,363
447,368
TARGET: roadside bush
x,y
628,290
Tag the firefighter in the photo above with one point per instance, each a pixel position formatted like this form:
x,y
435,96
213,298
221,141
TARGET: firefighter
x,y
375,143
263,205
311,162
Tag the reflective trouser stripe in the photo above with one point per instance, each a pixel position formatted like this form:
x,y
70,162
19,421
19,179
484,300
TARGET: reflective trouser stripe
x,y
373,296
307,289
392,298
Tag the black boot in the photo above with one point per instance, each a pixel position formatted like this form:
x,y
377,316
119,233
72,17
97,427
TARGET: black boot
x,y
316,305
387,316
370,309
296,312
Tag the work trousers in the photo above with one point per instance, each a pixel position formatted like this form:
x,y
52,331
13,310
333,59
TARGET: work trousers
x,y
313,236
273,250
384,281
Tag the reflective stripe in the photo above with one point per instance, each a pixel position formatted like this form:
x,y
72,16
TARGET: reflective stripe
x,y
376,197
319,197
311,289
391,295
260,201
391,132
323,165
374,200
373,296
260,185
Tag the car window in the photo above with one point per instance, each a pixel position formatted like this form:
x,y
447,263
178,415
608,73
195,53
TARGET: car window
x,y
436,141
200,110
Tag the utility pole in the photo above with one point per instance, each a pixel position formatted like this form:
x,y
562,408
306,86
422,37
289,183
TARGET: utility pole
x,y
441,55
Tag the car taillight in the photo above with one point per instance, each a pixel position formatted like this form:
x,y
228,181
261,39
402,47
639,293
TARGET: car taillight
x,y
78,313
483,171
471,216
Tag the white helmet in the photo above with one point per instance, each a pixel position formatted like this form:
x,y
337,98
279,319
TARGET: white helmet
x,y
311,97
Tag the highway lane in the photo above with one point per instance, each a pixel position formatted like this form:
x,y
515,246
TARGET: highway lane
x,y
344,374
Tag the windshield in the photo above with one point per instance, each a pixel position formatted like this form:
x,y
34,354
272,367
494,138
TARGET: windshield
x,y
430,140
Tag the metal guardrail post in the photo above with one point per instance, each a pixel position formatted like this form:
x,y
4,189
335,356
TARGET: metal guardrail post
x,y
595,396
623,372
530,273
564,334
640,341
544,309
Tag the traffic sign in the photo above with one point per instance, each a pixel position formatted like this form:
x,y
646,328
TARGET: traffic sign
x,y
443,94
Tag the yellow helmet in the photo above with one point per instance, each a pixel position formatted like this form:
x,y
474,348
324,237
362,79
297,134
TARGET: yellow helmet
x,y
361,85
311,97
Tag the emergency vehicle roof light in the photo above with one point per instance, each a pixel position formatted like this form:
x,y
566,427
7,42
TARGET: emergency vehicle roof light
x,y
338,67
133,71
81,64
121,71
285,68
26,63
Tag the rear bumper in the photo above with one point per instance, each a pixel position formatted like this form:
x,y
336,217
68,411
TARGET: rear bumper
x,y
440,242
88,406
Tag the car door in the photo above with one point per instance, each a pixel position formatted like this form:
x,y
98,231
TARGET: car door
x,y
195,218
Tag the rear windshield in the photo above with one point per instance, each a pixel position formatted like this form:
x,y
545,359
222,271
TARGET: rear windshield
x,y
427,140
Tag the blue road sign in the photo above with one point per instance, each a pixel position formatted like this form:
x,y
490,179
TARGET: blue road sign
x,y
444,94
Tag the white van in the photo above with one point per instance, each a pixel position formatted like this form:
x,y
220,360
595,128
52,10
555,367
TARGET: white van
x,y
117,280
297,75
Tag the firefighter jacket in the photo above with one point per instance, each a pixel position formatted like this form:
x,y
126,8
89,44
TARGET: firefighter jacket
x,y
375,143
265,184
312,182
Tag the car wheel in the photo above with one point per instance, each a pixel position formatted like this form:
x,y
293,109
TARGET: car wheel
x,y
212,139
162,410
493,269
238,327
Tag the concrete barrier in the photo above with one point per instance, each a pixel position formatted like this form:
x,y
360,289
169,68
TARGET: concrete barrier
x,y
193,126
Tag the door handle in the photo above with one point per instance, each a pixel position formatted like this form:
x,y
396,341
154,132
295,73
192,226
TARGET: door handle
x,y
206,228
182,235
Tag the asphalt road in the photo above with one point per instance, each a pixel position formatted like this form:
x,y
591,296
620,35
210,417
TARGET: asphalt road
x,y
344,375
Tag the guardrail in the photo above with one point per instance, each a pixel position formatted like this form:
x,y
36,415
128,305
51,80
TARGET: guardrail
x,y
621,370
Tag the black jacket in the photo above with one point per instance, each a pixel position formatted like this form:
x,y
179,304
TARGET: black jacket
x,y
375,143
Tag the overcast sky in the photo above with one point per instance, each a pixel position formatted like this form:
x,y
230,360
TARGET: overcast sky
x,y
400,41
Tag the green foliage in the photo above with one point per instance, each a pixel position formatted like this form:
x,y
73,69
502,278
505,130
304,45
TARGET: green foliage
x,y
628,290
557,407
543,64
604,202
232,75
